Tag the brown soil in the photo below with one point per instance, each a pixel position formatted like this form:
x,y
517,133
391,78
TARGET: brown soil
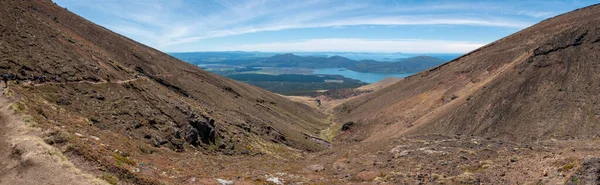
x,y
118,104
521,110
116,83
380,85
539,83
27,159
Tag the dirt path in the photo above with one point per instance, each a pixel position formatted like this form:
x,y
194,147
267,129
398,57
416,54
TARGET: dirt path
x,y
91,82
25,158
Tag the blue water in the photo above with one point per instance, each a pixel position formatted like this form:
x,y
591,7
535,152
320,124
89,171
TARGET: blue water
x,y
365,77
384,57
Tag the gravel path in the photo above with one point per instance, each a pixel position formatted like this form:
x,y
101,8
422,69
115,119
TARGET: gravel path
x,y
26,159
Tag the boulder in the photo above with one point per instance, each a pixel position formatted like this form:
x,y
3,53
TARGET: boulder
x,y
200,130
347,126
589,173
316,167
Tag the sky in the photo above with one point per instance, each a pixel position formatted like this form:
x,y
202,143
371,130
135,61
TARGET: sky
x,y
407,26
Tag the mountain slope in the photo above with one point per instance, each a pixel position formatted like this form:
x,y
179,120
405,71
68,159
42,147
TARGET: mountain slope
x,y
133,99
23,158
408,65
541,82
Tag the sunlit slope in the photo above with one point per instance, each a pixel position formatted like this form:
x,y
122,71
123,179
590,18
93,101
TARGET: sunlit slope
x,y
541,82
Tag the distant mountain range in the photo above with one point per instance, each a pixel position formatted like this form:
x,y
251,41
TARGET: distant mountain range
x,y
409,65
217,56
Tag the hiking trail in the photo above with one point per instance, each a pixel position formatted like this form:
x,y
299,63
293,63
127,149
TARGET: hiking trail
x,y
26,159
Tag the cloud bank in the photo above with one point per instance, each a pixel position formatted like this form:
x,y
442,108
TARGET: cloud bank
x,y
361,45
170,24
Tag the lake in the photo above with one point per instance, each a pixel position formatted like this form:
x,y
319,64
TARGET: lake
x,y
365,77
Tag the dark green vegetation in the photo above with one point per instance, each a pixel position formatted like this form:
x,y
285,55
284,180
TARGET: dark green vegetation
x,y
280,78
409,65
270,69
293,84
207,57
246,69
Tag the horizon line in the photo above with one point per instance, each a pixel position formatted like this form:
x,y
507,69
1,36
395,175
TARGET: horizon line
x,y
292,52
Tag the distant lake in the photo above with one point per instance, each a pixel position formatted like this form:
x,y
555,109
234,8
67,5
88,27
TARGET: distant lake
x,y
365,77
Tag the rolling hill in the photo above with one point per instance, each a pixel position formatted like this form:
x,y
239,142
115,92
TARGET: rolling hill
x,y
408,65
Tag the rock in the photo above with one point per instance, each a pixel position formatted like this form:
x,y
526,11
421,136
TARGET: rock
x,y
225,182
63,101
316,167
199,130
589,173
401,154
208,182
368,175
95,138
347,126
98,97
160,140
229,152
177,144
339,165
137,125
244,151
275,180
397,149
191,135
156,141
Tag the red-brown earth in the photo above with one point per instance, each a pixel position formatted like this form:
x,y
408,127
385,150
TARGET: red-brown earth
x,y
521,110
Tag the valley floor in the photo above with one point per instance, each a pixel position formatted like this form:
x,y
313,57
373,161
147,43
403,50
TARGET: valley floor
x,y
417,160
433,159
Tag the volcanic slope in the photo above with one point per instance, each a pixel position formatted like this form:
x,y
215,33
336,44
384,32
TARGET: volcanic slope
x,y
539,83
106,95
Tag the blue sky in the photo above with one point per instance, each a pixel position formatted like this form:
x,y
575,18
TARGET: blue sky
x,y
409,26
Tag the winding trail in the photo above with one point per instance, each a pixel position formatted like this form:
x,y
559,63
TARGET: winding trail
x,y
91,82
26,159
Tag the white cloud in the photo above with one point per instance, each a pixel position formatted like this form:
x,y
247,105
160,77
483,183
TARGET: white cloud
x,y
359,21
169,24
536,14
362,45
